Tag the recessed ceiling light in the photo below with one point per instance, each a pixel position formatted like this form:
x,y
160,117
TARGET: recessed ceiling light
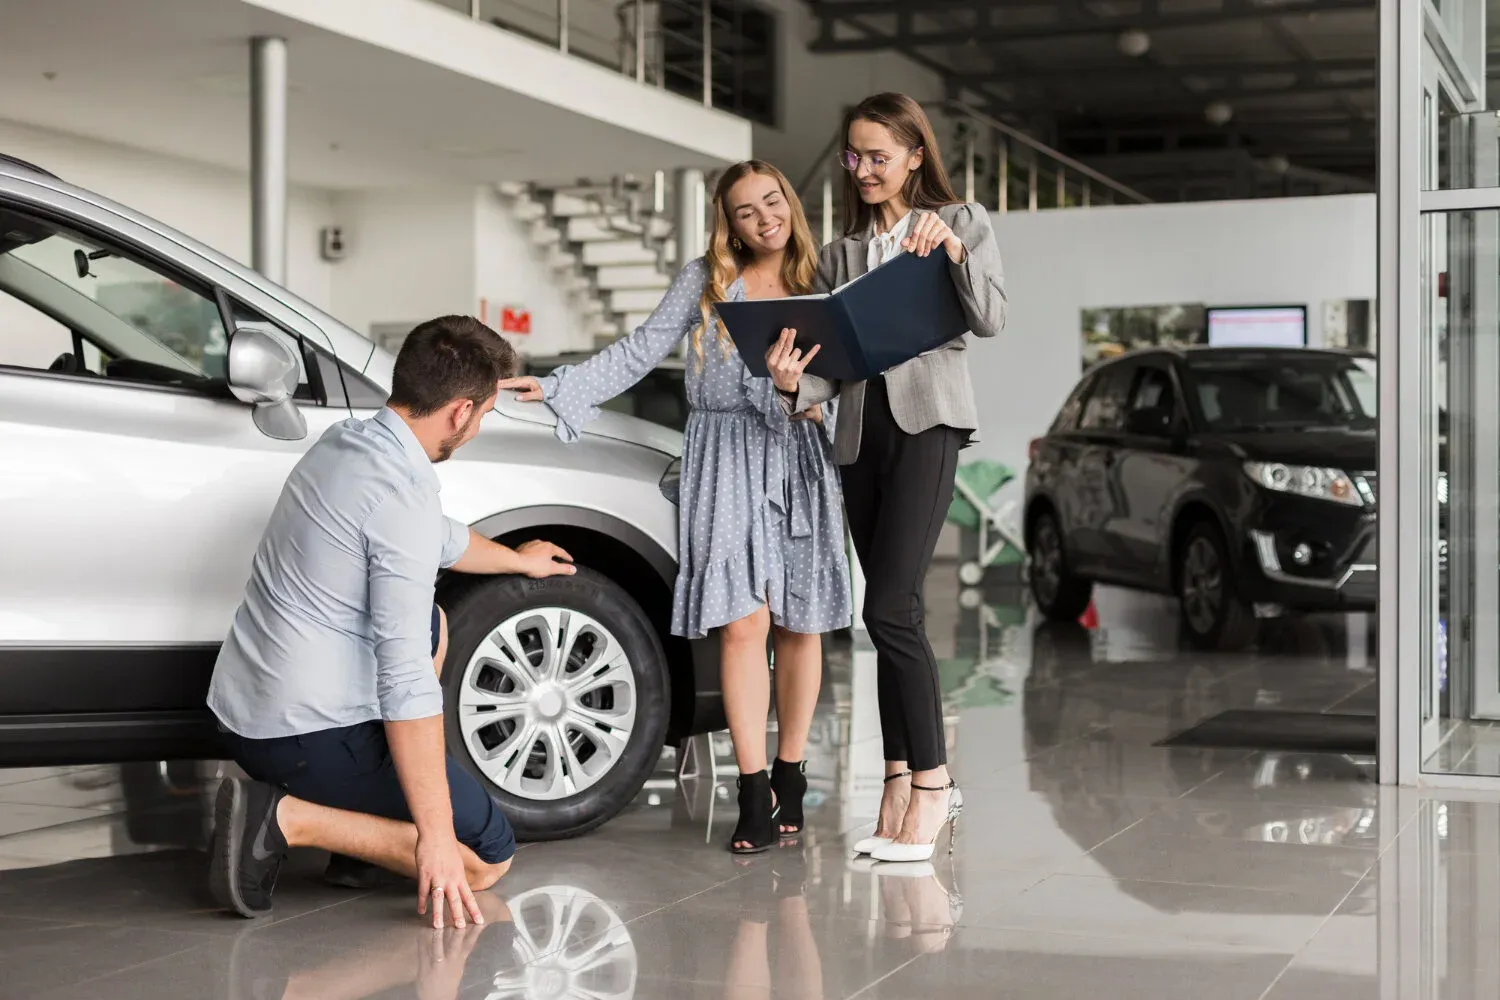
x,y
1218,112
1134,42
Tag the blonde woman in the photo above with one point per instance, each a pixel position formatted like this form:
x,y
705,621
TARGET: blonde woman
x,y
761,527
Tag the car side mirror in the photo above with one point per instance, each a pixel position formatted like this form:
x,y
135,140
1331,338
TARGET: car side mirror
x,y
1156,421
263,371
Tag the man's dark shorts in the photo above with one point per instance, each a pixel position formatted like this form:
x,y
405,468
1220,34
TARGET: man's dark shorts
x,y
351,768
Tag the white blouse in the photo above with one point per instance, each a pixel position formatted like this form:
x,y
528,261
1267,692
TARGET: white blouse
x,y
884,246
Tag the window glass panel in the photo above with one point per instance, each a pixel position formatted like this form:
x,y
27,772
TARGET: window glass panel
x,y
1460,136
1067,417
1153,391
137,323
1283,391
1459,507
29,338
1105,410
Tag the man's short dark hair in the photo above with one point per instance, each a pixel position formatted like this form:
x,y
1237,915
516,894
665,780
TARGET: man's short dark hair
x,y
448,358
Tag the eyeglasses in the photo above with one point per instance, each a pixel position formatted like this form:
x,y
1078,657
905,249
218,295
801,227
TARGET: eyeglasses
x,y
850,160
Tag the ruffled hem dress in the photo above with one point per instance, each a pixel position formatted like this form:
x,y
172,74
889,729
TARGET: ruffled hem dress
x,y
760,510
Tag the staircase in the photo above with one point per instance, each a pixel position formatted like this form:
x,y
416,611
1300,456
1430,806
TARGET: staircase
x,y
609,242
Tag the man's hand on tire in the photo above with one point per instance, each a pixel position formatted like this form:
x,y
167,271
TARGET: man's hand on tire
x,y
543,559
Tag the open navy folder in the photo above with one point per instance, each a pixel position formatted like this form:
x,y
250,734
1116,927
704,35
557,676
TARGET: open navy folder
x,y
901,309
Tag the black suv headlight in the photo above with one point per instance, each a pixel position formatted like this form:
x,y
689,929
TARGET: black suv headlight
x,y
671,481
1306,481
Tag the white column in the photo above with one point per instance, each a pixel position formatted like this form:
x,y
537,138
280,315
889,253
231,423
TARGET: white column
x,y
688,215
268,88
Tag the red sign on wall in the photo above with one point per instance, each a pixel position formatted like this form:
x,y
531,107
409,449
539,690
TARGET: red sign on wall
x,y
514,319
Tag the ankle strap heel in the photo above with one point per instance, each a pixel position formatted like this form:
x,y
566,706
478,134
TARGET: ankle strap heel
x,y
757,824
789,782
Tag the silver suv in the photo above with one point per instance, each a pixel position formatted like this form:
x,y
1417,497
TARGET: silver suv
x,y
153,397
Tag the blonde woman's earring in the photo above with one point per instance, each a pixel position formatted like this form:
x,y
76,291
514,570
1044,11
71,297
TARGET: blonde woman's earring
x,y
734,241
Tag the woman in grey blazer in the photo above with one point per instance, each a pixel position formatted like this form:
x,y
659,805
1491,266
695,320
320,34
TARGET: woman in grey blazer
x,y
898,440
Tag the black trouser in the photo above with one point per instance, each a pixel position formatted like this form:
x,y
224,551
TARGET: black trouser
x,y
897,494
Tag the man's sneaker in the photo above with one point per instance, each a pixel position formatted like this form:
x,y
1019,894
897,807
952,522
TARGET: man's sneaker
x,y
248,847
352,873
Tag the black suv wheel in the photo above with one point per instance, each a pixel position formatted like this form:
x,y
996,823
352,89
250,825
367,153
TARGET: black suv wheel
x,y
1213,615
1059,595
557,698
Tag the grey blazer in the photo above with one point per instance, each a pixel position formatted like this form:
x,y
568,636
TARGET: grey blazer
x,y
932,389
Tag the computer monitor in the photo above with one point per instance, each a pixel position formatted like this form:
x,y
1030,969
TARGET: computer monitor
x,y
1257,326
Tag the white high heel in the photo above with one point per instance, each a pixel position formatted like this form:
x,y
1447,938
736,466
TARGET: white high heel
x,y
923,852
869,844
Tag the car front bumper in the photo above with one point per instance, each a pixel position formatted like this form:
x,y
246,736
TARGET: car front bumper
x,y
1310,555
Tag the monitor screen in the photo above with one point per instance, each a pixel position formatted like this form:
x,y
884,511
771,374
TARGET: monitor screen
x,y
1261,326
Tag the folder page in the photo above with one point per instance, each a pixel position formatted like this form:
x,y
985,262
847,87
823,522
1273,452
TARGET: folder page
x,y
908,307
754,326
887,316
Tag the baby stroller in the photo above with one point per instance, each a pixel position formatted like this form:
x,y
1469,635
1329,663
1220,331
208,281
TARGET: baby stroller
x,y
974,509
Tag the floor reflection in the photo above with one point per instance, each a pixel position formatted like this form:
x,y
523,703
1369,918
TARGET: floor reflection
x,y
1091,862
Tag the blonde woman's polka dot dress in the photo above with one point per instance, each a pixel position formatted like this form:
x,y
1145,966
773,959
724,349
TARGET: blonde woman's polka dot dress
x,y
761,517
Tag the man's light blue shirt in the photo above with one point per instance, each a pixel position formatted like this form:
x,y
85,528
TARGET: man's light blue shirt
x,y
336,625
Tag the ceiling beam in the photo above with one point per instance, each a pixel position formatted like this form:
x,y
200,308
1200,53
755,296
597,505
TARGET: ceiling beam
x,y
1125,70
1185,103
984,28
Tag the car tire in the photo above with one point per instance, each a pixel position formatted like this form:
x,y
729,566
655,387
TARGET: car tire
x,y
1059,595
566,659
1213,614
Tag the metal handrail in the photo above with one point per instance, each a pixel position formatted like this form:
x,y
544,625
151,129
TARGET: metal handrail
x,y
1011,132
825,157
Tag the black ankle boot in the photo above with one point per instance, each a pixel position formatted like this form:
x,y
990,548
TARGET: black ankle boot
x,y
789,782
757,825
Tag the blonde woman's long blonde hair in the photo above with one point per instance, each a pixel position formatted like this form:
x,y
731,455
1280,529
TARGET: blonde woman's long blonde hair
x,y
725,262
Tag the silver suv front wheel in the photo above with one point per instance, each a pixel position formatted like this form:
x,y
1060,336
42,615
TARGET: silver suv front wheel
x,y
556,697
547,703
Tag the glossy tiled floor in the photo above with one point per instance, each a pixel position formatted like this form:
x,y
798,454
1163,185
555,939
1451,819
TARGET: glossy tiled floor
x,y
1091,863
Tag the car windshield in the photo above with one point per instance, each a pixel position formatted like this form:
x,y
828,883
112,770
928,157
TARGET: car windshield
x,y
1284,391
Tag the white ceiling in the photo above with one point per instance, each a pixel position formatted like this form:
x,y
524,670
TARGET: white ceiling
x,y
171,76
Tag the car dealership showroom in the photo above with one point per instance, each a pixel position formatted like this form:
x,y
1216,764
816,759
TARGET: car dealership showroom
x,y
1135,633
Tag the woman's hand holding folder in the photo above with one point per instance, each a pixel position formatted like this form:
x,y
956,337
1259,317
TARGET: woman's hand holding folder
x,y
786,363
928,233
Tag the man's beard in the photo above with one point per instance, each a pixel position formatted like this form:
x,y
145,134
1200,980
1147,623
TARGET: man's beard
x,y
448,447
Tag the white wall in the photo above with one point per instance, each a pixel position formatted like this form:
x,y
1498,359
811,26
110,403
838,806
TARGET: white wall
x,y
1272,252
409,256
207,203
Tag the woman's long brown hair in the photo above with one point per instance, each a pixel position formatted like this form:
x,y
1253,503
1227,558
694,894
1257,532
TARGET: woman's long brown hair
x,y
927,188
725,262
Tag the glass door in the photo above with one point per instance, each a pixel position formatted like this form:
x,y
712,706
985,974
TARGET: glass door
x,y
1447,507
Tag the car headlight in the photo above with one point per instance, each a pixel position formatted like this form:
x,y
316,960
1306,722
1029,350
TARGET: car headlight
x,y
671,481
1305,481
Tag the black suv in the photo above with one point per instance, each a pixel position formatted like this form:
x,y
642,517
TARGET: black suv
x,y
1239,479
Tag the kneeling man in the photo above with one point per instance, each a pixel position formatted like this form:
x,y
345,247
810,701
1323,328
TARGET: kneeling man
x,y
327,686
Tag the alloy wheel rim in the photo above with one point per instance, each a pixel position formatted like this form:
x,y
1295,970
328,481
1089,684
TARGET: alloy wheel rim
x,y
547,703
1202,585
1048,562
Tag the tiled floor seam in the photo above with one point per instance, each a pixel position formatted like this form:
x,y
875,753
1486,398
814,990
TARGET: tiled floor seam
x,y
870,986
207,943
1320,928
